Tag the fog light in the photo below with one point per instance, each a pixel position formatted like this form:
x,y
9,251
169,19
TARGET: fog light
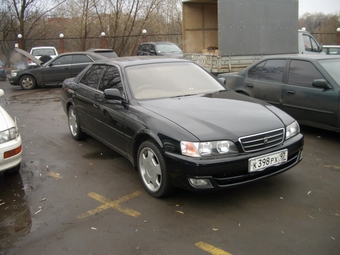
x,y
301,154
200,183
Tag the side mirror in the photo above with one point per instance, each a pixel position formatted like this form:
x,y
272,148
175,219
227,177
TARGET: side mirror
x,y
153,52
320,47
321,84
222,80
113,94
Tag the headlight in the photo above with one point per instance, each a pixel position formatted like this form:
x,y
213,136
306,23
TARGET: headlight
x,y
8,135
204,149
292,130
14,73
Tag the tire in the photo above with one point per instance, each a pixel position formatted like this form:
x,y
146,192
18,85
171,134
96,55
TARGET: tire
x,y
27,82
73,124
152,170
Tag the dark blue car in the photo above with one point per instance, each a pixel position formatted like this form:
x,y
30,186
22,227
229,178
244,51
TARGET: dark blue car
x,y
2,71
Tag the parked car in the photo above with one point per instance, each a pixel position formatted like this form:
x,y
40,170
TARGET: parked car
x,y
305,86
44,53
10,142
53,72
159,49
331,49
3,75
178,125
108,53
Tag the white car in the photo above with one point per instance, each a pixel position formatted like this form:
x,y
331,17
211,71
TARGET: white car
x,y
44,53
10,142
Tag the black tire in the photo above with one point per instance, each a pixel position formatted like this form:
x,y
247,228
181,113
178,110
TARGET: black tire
x,y
13,170
152,169
27,82
73,124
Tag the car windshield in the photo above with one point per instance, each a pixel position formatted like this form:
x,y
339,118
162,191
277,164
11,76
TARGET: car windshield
x,y
332,66
163,80
167,48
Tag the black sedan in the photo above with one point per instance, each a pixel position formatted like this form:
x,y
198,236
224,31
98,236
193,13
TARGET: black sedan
x,y
54,71
178,125
305,86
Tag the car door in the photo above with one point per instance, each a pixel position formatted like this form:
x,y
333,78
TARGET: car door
x,y
79,62
306,103
265,81
58,70
83,97
109,115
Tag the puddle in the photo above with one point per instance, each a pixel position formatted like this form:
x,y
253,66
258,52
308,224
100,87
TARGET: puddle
x,y
15,216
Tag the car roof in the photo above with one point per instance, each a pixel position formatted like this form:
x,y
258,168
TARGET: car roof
x,y
140,60
302,56
330,46
158,43
43,47
97,50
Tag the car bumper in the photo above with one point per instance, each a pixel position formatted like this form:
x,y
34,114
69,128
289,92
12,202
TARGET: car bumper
x,y
226,172
14,147
13,80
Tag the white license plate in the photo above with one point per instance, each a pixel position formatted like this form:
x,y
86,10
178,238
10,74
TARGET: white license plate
x,y
262,162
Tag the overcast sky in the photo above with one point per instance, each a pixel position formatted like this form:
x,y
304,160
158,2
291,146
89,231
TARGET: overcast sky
x,y
324,6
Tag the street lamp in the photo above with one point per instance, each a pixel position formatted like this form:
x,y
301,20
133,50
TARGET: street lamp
x,y
144,35
61,36
19,40
102,35
338,35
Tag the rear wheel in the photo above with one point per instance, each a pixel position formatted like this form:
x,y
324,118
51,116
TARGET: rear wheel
x,y
73,124
27,82
152,170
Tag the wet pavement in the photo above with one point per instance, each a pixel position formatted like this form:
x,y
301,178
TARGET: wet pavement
x,y
82,198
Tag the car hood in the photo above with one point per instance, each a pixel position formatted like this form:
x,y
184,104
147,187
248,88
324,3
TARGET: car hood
x,y
220,115
6,120
30,56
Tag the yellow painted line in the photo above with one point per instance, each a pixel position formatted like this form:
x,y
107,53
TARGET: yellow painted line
x,y
108,203
211,249
330,166
55,175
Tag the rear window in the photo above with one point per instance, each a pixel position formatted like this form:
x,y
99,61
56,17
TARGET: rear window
x,y
42,52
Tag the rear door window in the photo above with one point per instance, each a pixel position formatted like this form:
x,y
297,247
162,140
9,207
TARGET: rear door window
x,y
77,59
273,70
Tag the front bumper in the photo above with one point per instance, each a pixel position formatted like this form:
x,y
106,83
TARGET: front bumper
x,y
230,171
13,80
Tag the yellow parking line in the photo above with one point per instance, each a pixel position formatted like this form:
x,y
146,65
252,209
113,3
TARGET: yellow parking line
x,y
330,166
211,249
55,175
108,203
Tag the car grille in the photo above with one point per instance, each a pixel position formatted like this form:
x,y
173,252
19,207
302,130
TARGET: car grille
x,y
262,141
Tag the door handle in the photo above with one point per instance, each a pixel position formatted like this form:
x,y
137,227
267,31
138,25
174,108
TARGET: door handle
x,y
249,85
95,105
291,92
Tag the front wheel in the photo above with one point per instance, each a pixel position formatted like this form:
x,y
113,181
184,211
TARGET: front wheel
x,y
152,170
73,124
27,82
